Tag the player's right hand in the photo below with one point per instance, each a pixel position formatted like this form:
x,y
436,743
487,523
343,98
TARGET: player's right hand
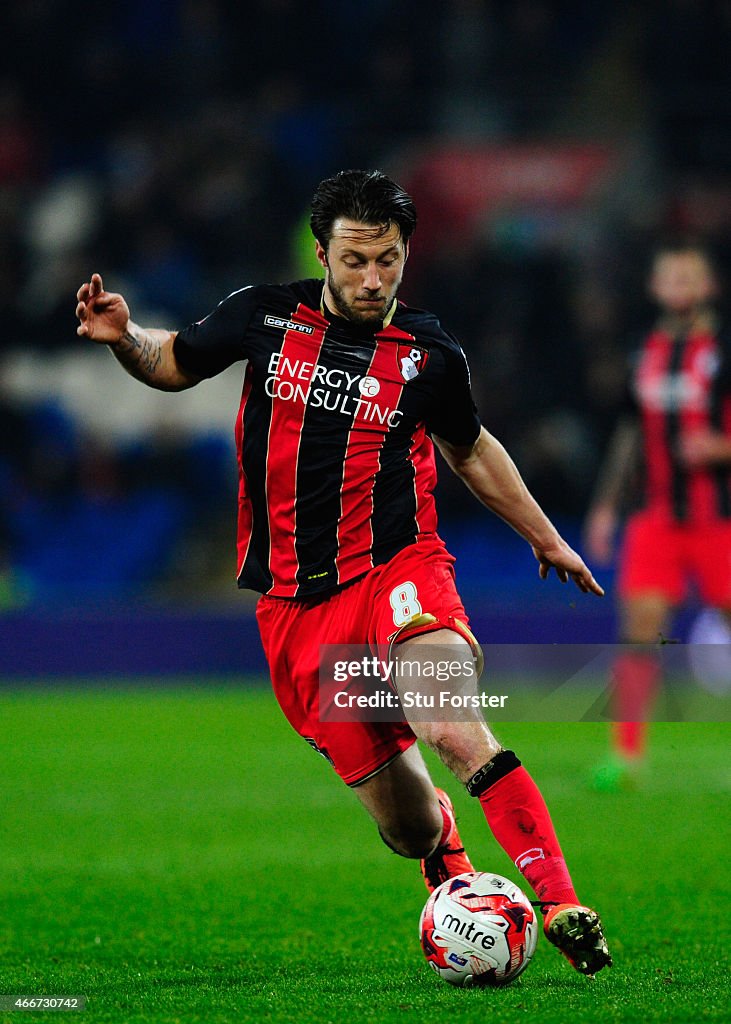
x,y
567,566
599,534
103,316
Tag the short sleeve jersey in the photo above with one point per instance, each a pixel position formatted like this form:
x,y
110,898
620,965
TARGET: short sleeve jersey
x,y
680,383
336,466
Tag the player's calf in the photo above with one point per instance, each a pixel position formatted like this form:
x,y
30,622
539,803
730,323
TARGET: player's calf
x,y
413,842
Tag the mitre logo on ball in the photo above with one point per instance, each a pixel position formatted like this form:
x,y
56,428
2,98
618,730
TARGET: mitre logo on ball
x,y
411,361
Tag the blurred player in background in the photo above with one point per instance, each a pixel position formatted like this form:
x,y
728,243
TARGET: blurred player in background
x,y
337,526
672,451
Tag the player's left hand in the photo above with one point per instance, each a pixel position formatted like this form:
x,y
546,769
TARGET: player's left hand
x,y
567,565
704,447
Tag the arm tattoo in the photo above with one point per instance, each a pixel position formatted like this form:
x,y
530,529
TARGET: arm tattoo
x,y
145,352
146,355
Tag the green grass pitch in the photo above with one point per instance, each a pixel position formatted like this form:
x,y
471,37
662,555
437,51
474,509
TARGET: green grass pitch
x,y
180,855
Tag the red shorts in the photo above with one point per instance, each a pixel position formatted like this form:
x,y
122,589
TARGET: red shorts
x,y
661,556
420,578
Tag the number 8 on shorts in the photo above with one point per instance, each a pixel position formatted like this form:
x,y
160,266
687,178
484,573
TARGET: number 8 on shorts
x,y
405,603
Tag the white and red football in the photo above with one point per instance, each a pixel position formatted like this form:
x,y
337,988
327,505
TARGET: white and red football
x,y
478,929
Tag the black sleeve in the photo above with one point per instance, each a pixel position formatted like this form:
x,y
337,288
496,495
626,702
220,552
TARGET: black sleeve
x,y
209,346
629,406
454,413
724,371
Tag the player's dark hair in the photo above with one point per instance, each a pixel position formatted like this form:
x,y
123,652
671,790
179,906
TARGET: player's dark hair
x,y
370,197
676,245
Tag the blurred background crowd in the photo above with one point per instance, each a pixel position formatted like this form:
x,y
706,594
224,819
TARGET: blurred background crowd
x,y
173,145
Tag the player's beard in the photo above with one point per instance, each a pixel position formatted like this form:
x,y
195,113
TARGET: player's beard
x,y
352,312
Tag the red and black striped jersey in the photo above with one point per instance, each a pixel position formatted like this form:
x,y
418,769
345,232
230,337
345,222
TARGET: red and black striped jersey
x,y
336,466
682,383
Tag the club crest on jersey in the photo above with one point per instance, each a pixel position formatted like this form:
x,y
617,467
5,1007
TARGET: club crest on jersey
x,y
411,361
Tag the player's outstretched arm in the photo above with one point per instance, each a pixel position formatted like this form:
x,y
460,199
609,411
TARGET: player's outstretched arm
x,y
146,354
491,475
603,516
701,448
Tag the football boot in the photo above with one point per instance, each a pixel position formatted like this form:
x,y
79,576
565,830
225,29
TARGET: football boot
x,y
578,934
449,859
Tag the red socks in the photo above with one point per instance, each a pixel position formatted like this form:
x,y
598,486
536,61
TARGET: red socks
x,y
629,739
517,814
636,676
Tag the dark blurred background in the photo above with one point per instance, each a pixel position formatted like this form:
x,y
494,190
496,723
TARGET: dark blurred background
x,y
173,145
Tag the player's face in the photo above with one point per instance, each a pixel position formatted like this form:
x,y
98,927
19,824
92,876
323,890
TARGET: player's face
x,y
682,281
363,269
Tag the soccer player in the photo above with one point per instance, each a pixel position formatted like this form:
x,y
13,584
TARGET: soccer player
x,y
343,386
678,421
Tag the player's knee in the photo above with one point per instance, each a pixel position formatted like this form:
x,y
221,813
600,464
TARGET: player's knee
x,y
462,746
642,631
644,621
641,639
439,736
